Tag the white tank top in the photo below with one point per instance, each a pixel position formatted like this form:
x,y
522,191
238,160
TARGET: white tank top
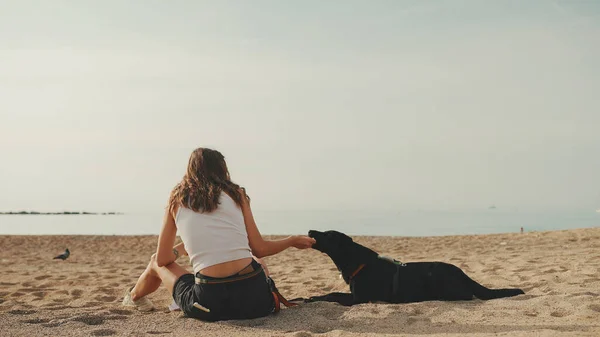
x,y
215,237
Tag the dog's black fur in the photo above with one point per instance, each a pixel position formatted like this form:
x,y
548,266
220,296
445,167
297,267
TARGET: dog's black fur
x,y
390,281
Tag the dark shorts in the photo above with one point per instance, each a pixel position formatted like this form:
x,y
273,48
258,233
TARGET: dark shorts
x,y
236,297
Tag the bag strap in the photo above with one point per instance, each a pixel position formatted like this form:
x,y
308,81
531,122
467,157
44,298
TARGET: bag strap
x,y
277,297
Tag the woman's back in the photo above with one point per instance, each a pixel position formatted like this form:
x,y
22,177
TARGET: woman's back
x,y
214,237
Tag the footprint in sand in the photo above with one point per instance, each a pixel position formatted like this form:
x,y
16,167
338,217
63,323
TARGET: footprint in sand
x,y
586,293
56,306
125,280
36,321
412,320
492,269
106,290
153,332
105,298
32,290
92,304
39,294
115,317
22,312
594,307
589,271
531,313
121,312
560,313
55,322
374,310
76,293
415,312
90,319
104,332
303,334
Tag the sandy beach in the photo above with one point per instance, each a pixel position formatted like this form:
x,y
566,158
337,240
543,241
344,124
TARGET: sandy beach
x,y
559,271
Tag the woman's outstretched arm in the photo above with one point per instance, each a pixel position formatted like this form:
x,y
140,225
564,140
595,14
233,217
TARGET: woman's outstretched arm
x,y
261,247
166,240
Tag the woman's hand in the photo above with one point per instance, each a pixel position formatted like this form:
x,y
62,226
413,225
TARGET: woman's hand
x,y
302,241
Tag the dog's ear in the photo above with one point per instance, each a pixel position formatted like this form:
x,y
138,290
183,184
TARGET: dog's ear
x,y
347,238
341,241
338,235
343,238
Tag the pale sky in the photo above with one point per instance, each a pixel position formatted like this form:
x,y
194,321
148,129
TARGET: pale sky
x,y
315,104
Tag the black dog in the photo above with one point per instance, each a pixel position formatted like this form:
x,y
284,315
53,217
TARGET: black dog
x,y
375,278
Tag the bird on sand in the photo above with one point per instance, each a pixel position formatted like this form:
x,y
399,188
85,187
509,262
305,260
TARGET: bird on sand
x,y
64,255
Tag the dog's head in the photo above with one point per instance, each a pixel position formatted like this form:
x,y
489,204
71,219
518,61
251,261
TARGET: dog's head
x,y
343,251
331,243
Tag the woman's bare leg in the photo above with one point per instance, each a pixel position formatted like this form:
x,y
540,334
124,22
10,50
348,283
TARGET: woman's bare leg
x,y
154,276
146,284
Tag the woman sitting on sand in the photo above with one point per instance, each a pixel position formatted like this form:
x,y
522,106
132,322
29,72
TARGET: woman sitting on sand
x,y
215,223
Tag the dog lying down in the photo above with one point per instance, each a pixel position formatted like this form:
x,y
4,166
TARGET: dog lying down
x,y
375,278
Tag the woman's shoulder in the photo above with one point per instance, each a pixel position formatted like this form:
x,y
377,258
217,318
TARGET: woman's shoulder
x,y
174,209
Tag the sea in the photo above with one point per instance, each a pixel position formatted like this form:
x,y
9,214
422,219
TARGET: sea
x,y
376,223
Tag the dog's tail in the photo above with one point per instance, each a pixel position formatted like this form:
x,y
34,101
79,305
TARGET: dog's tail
x,y
484,293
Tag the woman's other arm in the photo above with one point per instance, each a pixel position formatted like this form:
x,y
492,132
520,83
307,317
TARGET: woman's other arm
x,y
165,254
180,248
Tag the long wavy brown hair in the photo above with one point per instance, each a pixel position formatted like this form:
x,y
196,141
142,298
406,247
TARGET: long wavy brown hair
x,y
206,178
